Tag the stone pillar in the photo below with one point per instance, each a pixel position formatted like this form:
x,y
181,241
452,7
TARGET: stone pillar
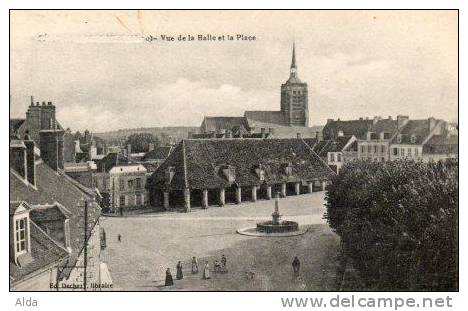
x,y
324,185
222,197
205,199
238,195
166,200
254,193
310,186
283,190
297,188
187,200
268,193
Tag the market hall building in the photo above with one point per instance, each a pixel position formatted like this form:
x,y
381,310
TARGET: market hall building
x,y
203,172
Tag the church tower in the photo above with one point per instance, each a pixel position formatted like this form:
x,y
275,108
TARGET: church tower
x,y
294,97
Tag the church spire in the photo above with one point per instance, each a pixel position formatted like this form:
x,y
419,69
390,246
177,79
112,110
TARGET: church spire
x,y
293,69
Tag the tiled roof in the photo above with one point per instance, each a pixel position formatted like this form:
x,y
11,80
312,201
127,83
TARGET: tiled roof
x,y
158,153
335,145
357,128
441,144
109,161
45,253
418,128
215,124
275,117
385,126
15,124
52,186
197,163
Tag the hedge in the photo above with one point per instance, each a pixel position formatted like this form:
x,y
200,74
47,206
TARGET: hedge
x,y
398,222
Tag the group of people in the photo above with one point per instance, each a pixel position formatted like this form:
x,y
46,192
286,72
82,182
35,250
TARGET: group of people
x,y
218,267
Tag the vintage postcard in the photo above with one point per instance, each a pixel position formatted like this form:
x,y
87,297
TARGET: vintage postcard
x,y
233,150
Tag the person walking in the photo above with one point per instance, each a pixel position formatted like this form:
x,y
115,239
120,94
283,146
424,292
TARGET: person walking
x,y
223,264
119,237
169,280
206,271
194,265
179,274
296,264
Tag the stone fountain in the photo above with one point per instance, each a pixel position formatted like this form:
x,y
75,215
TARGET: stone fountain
x,y
276,225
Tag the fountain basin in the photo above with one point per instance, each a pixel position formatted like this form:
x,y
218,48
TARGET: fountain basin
x,y
280,227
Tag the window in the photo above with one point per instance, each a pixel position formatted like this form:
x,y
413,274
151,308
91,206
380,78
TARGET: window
x,y
382,149
399,138
416,152
402,152
395,151
20,230
375,148
338,157
130,184
138,199
383,159
121,184
409,152
369,148
386,135
122,200
138,183
363,149
332,157
413,138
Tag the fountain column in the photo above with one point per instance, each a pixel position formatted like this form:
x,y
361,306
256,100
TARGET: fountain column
x,y
222,197
283,190
187,200
310,186
166,200
268,193
254,193
297,188
238,195
205,198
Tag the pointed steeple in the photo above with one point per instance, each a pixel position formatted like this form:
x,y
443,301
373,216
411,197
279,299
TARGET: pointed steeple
x,y
293,70
293,62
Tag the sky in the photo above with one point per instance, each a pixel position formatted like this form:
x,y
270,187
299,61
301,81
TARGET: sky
x,y
102,74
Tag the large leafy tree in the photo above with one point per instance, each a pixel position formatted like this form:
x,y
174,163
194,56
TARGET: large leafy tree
x,y
141,141
398,222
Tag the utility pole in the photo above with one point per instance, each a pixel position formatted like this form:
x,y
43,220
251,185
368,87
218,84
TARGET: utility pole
x,y
85,253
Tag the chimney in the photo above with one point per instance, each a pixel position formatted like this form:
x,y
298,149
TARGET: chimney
x,y
376,119
252,129
432,123
369,135
18,158
298,135
330,120
30,161
361,118
318,136
390,117
51,146
382,135
340,133
401,121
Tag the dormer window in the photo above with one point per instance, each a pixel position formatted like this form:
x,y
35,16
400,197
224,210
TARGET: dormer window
x,y
260,172
170,171
287,169
399,138
19,237
21,225
413,139
229,172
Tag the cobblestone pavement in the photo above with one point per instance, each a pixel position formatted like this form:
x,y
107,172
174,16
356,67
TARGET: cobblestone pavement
x,y
152,243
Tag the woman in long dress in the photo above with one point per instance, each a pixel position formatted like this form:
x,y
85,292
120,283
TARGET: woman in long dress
x,y
194,265
179,274
169,280
206,271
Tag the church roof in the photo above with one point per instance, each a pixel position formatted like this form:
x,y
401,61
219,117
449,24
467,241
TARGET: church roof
x,y
215,124
276,117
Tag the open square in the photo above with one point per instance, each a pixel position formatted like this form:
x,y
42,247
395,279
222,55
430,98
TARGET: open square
x,y
152,243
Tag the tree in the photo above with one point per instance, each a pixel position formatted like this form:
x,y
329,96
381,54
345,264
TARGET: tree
x,y
140,141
